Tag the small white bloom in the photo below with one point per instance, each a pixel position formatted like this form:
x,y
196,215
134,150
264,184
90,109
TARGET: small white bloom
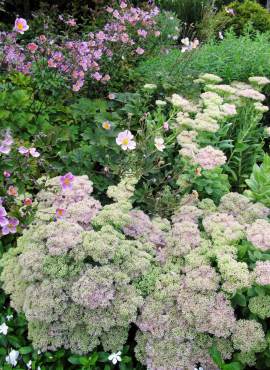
x,y
3,329
39,368
185,41
267,131
29,364
39,352
160,102
150,86
9,317
12,357
220,35
159,144
115,357
125,140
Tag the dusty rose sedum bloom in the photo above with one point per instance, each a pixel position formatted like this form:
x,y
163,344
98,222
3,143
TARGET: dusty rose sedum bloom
x,y
125,140
209,158
262,272
251,94
259,234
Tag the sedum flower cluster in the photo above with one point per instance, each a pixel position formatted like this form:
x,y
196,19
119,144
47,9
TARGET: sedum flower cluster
x,y
217,105
74,276
84,278
189,306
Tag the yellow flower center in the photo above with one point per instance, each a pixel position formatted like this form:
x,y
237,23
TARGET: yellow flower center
x,y
20,26
125,141
66,181
106,125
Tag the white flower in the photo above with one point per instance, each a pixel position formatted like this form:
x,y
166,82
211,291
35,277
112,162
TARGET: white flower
x,y
220,35
150,86
267,131
125,140
115,357
160,102
3,329
12,357
9,317
189,45
185,41
159,143
29,364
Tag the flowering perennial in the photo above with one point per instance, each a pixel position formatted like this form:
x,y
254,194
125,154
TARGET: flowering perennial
x,y
128,26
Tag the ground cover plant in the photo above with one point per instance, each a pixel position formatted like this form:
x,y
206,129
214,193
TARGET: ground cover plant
x,y
134,189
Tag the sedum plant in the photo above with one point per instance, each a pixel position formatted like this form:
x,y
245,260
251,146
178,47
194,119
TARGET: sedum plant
x,y
73,271
82,274
190,308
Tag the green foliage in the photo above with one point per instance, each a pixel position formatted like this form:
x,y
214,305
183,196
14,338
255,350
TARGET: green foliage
x,y
216,356
190,11
247,136
232,59
259,182
247,13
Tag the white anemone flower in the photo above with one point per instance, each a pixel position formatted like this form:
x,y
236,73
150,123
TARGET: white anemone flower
x,y
12,357
125,140
159,144
115,357
3,329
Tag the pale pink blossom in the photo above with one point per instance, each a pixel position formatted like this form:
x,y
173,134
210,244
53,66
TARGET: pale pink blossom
x,y
139,51
125,140
159,144
21,25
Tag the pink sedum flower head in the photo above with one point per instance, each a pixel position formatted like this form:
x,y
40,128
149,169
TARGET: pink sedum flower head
x,y
11,227
21,25
125,140
67,181
3,218
209,158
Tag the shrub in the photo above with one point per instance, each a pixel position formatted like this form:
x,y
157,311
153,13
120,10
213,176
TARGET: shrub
x,y
232,59
189,289
238,16
82,275
89,272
